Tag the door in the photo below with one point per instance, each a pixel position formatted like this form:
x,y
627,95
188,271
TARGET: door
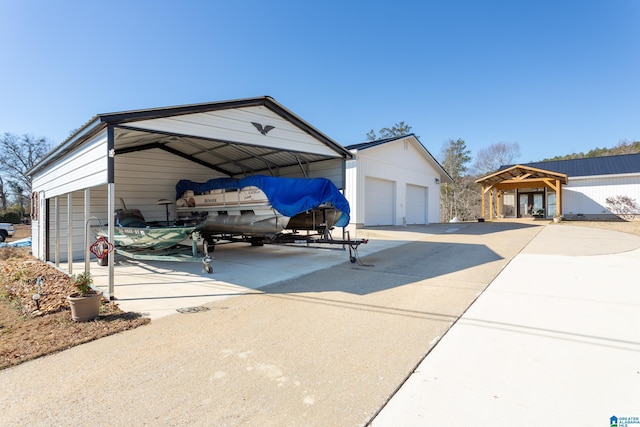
x,y
379,201
531,204
416,204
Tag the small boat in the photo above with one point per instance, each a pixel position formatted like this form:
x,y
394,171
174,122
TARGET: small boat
x,y
131,231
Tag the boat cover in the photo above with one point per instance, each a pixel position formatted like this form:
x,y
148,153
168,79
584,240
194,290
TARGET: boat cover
x,y
289,196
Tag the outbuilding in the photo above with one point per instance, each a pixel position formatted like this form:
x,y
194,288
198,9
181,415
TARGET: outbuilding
x,y
573,189
394,181
138,157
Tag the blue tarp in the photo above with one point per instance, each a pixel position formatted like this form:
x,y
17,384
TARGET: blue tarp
x,y
22,243
289,196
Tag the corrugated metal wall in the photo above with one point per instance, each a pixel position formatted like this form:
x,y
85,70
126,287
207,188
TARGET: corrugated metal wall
x,y
587,196
141,179
330,169
84,168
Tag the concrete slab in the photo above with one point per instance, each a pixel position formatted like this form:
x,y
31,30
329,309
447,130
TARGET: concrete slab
x,y
159,288
554,337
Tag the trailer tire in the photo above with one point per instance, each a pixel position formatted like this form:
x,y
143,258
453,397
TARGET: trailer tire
x,y
208,245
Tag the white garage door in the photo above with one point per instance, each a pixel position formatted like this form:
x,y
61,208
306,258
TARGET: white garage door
x,y
379,201
416,204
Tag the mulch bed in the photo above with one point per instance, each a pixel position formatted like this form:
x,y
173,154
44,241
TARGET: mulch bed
x,y
30,328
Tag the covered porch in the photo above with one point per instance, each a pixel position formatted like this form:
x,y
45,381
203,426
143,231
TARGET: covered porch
x,y
531,188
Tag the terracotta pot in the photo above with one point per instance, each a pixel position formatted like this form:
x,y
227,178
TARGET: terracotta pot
x,y
84,308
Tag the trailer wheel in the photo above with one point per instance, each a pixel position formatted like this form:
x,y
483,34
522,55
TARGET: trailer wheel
x,y
352,259
208,245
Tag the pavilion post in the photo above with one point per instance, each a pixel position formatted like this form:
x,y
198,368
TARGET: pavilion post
x,y
558,197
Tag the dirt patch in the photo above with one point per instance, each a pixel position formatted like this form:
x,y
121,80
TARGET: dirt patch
x,y
30,329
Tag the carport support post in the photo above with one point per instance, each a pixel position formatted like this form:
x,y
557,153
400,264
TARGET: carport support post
x,y
70,232
87,215
56,206
111,209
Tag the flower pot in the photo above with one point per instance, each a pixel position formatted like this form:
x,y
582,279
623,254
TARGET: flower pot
x,y
557,219
84,308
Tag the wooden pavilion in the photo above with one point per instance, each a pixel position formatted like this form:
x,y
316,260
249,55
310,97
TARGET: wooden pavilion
x,y
520,178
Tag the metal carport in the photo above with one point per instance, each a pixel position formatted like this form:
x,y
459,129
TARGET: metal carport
x,y
139,155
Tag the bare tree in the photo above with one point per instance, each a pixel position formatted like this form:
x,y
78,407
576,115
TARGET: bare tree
x,y
19,154
3,196
491,158
626,147
454,197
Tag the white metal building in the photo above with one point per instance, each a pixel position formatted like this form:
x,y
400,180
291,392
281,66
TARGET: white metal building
x,y
139,156
394,181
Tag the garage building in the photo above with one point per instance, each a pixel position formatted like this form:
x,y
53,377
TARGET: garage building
x,y
394,181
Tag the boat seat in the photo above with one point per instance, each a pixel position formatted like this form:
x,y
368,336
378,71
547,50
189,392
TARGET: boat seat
x,y
130,218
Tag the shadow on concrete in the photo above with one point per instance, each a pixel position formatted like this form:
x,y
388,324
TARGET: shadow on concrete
x,y
389,268
467,228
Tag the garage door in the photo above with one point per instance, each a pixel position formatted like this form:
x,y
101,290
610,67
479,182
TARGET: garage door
x,y
416,204
379,201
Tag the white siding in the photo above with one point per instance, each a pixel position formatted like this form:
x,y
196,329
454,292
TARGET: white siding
x,y
86,167
329,169
587,196
350,192
144,177
141,179
405,164
235,125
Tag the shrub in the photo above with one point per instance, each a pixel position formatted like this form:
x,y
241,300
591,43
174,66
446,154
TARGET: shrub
x,y
623,206
12,217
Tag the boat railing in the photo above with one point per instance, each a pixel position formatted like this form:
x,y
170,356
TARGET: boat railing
x,y
223,198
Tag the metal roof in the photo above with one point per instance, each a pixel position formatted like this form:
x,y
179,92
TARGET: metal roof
x,y
236,137
591,166
522,175
445,177
371,144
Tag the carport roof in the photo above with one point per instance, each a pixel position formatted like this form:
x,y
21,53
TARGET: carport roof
x,y
236,137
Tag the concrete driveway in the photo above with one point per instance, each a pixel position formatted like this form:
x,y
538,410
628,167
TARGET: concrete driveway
x,y
329,347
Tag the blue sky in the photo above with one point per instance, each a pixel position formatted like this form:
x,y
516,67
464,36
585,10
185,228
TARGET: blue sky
x,y
554,76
